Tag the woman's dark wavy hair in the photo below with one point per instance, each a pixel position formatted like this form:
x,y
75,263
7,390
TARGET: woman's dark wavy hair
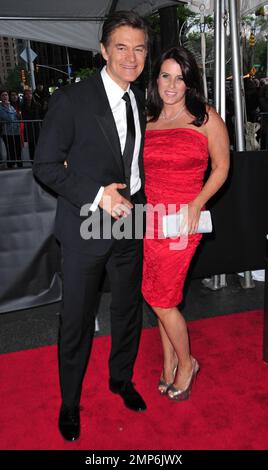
x,y
194,97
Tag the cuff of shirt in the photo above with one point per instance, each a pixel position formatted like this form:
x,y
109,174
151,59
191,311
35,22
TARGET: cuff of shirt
x,y
97,199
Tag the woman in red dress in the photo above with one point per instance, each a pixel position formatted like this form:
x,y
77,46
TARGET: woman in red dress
x,y
182,133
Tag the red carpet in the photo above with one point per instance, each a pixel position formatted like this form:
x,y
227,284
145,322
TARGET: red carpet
x,y
228,408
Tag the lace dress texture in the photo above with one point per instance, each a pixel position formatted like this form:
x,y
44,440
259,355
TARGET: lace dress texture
x,y
175,161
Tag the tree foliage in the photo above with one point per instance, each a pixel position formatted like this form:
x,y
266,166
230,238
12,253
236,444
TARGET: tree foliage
x,y
14,80
85,73
183,14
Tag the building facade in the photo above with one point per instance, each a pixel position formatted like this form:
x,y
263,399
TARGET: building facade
x,y
8,57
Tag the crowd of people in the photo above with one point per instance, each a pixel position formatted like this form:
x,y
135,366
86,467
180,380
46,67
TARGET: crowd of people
x,y
20,123
256,113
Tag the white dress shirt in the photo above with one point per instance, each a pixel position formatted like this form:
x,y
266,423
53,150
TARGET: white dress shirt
x,y
118,106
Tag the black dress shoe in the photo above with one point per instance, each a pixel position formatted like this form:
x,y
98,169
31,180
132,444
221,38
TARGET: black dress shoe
x,y
69,423
131,397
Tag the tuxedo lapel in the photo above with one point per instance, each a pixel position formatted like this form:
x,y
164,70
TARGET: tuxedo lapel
x,y
106,122
108,127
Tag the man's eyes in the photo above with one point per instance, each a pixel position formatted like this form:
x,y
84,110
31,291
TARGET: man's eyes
x,y
138,49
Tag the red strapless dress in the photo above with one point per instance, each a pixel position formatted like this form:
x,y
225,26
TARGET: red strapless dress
x,y
175,161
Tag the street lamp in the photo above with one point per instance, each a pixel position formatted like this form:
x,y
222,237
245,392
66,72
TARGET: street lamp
x,y
52,68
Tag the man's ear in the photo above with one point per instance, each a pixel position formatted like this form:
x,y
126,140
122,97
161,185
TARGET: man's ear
x,y
103,52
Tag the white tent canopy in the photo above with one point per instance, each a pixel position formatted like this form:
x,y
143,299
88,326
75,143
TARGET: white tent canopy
x,y
78,23
66,22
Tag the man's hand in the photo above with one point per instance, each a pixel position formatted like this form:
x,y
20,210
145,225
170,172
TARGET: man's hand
x,y
114,203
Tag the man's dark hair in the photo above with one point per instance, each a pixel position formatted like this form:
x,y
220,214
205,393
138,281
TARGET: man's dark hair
x,y
194,97
122,18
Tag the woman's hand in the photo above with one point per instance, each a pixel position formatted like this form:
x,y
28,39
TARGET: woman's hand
x,y
191,215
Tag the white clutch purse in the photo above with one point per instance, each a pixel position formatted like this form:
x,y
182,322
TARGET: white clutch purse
x,y
171,224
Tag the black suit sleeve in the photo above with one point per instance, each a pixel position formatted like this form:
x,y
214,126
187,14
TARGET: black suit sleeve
x,y
55,141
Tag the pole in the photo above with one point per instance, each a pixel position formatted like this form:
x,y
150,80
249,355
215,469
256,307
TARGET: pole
x,y
30,64
240,141
217,40
213,283
203,49
68,65
234,8
218,281
222,277
222,61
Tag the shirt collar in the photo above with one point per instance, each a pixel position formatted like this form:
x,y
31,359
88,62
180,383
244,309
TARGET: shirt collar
x,y
113,90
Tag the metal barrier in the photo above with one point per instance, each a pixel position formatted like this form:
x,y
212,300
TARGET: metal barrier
x,y
18,140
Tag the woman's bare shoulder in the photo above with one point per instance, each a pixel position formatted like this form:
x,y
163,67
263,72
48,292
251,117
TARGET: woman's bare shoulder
x,y
215,125
214,119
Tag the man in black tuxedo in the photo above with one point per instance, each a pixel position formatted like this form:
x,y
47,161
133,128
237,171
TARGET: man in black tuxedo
x,y
90,152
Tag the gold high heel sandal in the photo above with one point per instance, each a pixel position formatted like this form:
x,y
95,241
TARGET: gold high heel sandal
x,y
175,394
163,385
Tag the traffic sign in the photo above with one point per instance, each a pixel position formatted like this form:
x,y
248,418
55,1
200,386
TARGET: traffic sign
x,y
24,56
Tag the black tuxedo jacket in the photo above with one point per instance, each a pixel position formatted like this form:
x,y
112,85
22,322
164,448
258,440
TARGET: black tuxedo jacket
x,y
79,128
